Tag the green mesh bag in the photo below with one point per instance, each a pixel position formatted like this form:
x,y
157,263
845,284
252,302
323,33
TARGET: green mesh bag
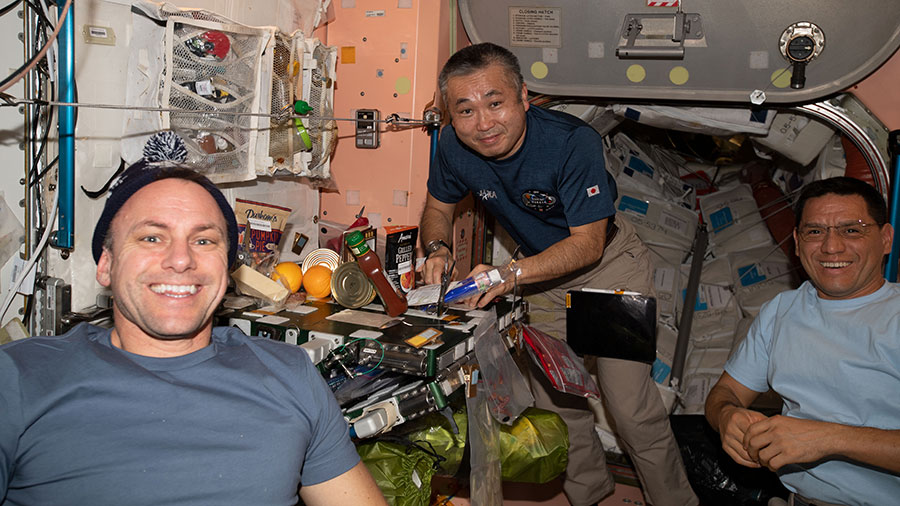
x,y
402,472
533,450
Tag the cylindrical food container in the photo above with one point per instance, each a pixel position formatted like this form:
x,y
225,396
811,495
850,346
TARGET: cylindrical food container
x,y
350,287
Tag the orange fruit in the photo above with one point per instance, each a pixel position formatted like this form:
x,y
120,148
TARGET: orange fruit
x,y
289,274
317,281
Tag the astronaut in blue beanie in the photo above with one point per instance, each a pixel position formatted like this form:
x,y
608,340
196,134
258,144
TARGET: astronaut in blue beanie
x,y
165,408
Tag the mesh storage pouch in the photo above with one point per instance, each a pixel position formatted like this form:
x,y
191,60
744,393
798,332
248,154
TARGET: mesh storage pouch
x,y
302,69
215,68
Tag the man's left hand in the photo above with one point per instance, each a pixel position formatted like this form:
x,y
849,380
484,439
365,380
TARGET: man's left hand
x,y
781,440
483,299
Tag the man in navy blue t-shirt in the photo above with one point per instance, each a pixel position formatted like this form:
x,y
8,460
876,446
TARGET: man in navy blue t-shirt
x,y
541,174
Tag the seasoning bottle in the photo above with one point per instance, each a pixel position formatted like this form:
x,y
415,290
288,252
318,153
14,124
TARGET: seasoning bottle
x,y
394,303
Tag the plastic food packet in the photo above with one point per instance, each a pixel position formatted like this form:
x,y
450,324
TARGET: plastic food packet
x,y
560,364
260,227
508,391
400,248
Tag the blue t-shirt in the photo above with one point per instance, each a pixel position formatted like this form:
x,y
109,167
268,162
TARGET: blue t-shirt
x,y
241,421
834,361
556,180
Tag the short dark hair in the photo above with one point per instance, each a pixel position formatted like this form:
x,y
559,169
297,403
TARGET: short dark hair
x,y
843,186
477,57
142,174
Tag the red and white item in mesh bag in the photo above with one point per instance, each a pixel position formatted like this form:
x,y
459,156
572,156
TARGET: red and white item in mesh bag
x,y
564,369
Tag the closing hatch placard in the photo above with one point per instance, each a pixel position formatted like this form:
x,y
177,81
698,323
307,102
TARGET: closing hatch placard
x,y
535,26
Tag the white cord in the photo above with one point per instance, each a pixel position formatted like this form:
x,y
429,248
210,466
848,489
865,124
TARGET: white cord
x,y
31,261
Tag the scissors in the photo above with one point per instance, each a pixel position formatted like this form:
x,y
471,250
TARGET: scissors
x,y
445,282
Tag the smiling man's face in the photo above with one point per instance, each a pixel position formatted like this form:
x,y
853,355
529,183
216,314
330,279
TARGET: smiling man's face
x,y
488,112
168,264
841,267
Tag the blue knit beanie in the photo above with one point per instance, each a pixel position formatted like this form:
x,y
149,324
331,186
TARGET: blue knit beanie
x,y
161,151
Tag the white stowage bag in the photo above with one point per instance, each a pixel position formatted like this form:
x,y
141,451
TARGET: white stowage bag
x,y
635,168
701,371
715,309
733,219
667,284
759,275
666,228
796,136
705,120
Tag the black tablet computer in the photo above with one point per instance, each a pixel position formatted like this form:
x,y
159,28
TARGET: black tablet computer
x,y
611,324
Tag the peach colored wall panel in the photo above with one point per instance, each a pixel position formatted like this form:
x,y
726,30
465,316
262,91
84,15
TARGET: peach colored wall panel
x,y
395,46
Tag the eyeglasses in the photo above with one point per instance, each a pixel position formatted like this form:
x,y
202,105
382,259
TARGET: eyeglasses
x,y
850,231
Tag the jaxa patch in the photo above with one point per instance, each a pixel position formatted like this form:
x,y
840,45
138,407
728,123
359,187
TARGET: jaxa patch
x,y
538,200
593,190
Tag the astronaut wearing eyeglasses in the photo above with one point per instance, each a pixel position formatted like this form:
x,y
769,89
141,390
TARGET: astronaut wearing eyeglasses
x,y
831,350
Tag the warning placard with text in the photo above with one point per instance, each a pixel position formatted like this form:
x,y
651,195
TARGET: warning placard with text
x,y
535,26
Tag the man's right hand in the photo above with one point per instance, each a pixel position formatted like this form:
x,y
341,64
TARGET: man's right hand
x,y
435,266
436,223
726,411
733,424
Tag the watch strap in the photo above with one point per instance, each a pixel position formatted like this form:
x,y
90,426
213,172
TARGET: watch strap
x,y
435,245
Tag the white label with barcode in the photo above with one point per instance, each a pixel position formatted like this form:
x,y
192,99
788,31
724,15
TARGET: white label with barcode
x,y
672,222
664,278
715,296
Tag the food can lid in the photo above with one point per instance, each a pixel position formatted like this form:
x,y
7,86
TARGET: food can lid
x,y
350,287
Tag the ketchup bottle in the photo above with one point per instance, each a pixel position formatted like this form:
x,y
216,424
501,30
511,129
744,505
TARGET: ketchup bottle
x,y
394,303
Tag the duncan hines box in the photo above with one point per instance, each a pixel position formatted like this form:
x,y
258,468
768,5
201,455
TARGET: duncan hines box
x,y
399,256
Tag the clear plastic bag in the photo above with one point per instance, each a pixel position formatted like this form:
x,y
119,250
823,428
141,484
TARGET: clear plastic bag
x,y
508,392
485,478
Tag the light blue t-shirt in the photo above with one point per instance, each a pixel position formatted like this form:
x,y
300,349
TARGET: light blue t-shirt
x,y
241,421
835,361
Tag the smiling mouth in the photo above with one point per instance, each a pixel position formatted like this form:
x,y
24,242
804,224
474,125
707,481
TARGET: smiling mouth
x,y
834,265
177,291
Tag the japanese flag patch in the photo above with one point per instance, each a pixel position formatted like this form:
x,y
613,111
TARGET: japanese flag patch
x,y
593,190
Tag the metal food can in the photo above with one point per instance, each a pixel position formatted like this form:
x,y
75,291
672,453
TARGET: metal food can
x,y
350,287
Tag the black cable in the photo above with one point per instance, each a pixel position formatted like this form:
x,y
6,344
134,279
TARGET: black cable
x,y
46,169
30,61
46,135
29,306
5,10
42,16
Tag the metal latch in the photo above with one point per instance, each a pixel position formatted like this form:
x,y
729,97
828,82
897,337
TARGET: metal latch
x,y
658,36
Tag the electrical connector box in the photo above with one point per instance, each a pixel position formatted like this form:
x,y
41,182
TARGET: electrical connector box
x,y
367,136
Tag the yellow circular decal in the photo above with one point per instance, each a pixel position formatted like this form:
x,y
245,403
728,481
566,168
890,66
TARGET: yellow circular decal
x,y
781,78
539,70
636,73
402,85
679,75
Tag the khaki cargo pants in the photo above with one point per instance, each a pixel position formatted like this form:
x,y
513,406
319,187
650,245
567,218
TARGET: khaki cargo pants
x,y
629,394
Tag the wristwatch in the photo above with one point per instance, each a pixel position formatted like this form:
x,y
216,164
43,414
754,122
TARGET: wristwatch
x,y
435,245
